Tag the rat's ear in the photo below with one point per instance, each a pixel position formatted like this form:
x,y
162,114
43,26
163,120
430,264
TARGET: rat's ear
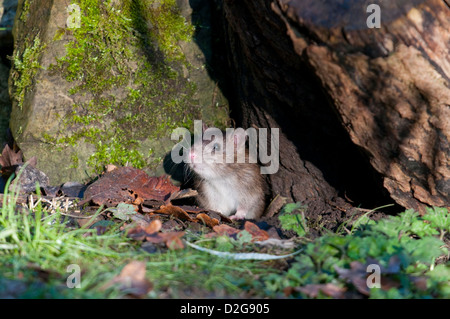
x,y
204,127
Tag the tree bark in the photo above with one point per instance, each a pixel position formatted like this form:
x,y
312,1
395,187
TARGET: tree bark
x,y
361,110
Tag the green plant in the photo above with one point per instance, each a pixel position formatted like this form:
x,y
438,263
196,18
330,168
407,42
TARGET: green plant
x,y
439,218
406,247
25,67
292,217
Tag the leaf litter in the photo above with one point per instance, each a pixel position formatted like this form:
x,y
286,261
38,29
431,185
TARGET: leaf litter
x,y
131,196
132,280
145,205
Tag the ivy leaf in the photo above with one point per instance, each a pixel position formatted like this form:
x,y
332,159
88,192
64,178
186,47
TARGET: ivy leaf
x,y
123,211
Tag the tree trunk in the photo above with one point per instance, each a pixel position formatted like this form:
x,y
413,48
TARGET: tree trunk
x,y
361,110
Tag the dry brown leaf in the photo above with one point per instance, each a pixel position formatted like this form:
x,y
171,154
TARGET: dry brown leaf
x,y
32,161
137,233
137,200
184,193
110,167
257,233
225,230
128,185
192,209
224,218
10,158
208,221
174,211
152,234
132,279
152,204
153,227
330,290
358,275
171,239
421,283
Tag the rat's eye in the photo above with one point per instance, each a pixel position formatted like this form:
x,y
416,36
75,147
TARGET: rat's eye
x,y
216,147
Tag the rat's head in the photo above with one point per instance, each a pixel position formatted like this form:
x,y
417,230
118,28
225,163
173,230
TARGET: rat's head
x,y
214,154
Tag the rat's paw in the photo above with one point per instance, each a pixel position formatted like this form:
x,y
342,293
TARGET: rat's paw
x,y
240,214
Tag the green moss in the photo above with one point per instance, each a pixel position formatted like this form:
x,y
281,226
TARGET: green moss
x,y
25,10
25,67
169,28
126,56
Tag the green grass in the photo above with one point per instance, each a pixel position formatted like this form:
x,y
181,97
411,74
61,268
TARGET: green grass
x,y
37,246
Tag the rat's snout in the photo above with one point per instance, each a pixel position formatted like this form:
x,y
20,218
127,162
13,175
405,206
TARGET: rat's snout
x,y
192,155
195,155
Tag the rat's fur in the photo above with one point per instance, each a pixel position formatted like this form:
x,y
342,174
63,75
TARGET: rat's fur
x,y
229,188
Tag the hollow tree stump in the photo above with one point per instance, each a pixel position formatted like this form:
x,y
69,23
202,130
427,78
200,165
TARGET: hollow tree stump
x,y
360,109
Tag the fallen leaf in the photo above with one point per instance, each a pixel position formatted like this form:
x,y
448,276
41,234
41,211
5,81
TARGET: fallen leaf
x,y
129,185
132,280
110,168
137,200
184,193
208,221
152,234
10,158
139,219
225,230
174,211
358,275
328,289
123,211
153,227
171,239
152,203
211,213
137,233
173,225
257,233
32,161
224,218
192,209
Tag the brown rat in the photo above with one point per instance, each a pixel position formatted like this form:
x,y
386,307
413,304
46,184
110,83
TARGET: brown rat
x,y
224,183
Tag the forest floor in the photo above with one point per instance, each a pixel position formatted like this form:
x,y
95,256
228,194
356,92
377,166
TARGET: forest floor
x,y
101,245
